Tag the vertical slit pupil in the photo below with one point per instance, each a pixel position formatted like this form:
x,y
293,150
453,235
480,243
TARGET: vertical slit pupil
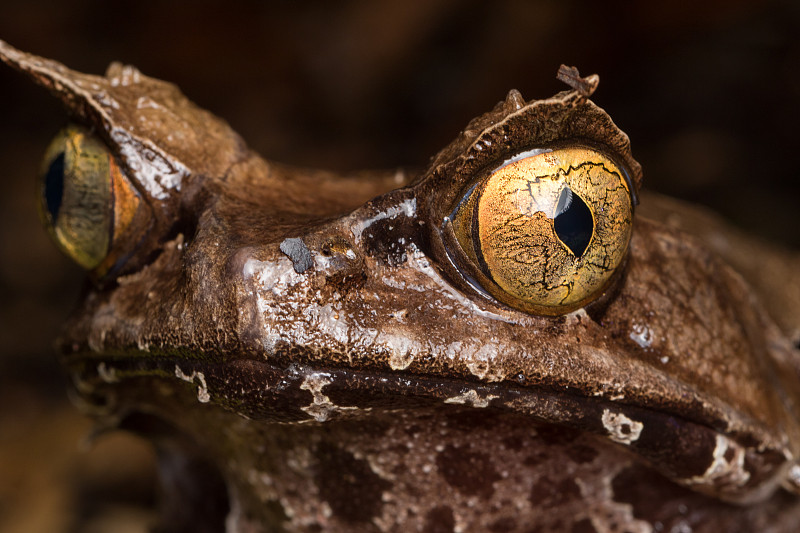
x,y
575,226
54,186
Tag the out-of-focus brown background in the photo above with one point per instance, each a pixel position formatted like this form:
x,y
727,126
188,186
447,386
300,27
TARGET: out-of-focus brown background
x,y
708,91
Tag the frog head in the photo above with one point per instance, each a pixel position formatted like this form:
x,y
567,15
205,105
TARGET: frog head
x,y
375,348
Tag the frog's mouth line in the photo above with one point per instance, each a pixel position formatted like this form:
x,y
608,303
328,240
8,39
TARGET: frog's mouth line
x,y
735,468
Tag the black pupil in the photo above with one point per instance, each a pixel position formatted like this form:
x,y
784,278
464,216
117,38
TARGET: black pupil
x,y
54,186
575,226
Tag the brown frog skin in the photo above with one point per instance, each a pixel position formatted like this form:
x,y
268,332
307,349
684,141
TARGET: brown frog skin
x,y
305,356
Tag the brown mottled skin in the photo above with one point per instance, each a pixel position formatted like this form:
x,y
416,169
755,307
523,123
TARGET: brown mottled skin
x,y
306,357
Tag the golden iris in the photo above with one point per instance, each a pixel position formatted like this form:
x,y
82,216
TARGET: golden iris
x,y
548,228
85,200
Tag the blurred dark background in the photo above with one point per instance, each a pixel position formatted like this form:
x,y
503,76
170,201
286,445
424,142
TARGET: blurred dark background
x,y
709,92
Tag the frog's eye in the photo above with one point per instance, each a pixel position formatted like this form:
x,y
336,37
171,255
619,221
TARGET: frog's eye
x,y
546,231
85,200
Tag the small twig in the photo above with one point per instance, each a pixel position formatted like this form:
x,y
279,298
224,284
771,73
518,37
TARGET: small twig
x,y
570,75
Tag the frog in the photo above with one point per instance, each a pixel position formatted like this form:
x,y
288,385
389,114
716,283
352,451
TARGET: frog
x,y
514,338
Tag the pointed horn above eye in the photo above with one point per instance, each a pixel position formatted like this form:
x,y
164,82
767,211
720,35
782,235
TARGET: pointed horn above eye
x,y
74,89
160,136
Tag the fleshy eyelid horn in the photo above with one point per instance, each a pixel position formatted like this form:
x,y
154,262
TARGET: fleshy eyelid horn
x,y
159,138
96,233
103,105
514,126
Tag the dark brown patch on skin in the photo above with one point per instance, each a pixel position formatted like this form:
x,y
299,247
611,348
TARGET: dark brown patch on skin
x,y
513,443
548,493
470,473
666,439
729,453
274,509
387,239
583,526
376,430
556,434
656,499
536,458
413,430
581,453
502,525
469,420
348,484
440,520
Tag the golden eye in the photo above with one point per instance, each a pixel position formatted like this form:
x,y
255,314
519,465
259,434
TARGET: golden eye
x,y
547,230
85,200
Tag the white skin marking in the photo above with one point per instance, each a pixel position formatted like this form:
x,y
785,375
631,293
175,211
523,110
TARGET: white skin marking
x,y
792,482
481,363
202,389
621,428
321,406
576,316
522,155
473,398
731,471
641,335
157,173
407,207
400,346
606,514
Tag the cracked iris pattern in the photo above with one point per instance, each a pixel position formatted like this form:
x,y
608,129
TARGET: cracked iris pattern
x,y
528,229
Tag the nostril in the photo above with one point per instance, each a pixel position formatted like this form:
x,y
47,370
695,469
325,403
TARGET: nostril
x,y
337,246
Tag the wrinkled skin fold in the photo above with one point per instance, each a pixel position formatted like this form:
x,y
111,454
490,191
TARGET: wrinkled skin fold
x,y
306,354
